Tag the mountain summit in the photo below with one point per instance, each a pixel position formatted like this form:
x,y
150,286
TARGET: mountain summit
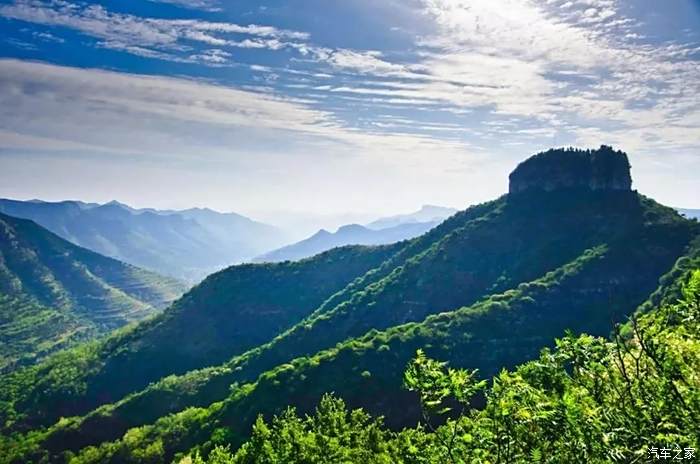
x,y
558,169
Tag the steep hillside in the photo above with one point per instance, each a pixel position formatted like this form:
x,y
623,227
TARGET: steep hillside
x,y
515,242
230,312
501,331
186,244
640,241
353,234
183,339
590,399
53,292
29,331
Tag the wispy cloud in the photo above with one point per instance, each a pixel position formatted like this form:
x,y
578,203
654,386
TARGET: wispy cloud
x,y
366,61
206,5
47,37
33,95
214,56
577,67
157,38
573,65
236,133
110,93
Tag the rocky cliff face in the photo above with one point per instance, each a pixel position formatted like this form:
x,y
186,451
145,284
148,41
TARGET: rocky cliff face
x,y
557,169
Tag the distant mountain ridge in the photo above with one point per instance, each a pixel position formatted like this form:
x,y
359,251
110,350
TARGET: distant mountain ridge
x,y
427,213
53,293
352,234
380,232
185,244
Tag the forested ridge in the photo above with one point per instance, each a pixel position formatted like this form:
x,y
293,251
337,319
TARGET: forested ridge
x,y
509,284
53,293
207,325
589,399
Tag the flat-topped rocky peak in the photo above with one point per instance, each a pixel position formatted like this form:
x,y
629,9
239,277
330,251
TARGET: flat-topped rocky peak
x,y
566,168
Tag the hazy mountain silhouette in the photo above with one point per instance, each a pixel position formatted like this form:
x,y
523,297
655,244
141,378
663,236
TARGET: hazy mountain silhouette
x,y
352,234
186,244
427,213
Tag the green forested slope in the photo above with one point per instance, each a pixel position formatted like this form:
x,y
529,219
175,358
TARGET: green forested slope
x,y
36,396
229,312
515,240
634,399
501,331
494,248
53,292
30,331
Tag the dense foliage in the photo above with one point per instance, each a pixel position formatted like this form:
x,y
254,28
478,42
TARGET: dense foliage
x,y
30,331
588,400
53,293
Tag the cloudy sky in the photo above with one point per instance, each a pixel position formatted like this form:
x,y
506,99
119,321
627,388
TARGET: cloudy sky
x,y
360,106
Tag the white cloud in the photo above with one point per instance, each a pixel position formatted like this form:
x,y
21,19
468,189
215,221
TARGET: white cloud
x,y
578,71
270,44
48,37
158,38
214,56
47,100
206,5
142,51
364,62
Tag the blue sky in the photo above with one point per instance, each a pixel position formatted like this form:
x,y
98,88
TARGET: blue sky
x,y
360,106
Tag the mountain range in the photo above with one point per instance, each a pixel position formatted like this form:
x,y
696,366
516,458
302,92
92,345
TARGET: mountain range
x,y
570,248
380,232
54,294
426,214
187,244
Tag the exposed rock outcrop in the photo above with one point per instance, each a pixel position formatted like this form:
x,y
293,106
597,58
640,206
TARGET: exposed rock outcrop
x,y
557,169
